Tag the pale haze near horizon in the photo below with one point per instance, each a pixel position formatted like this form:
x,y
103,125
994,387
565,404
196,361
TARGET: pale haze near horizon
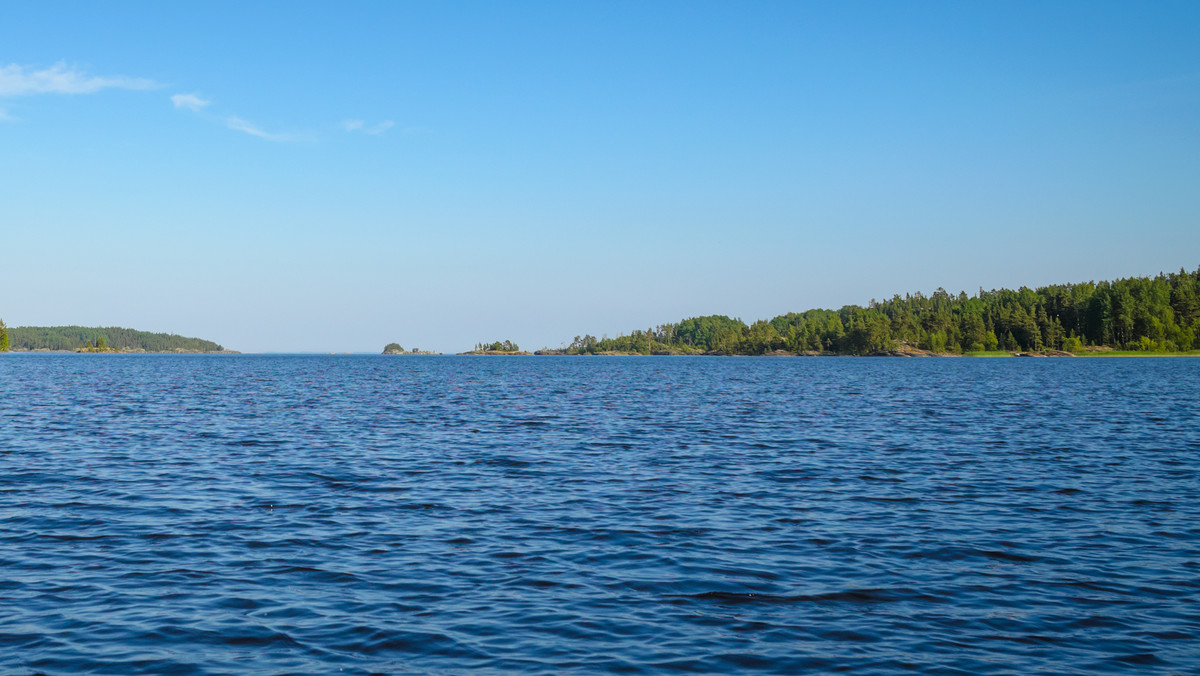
x,y
319,177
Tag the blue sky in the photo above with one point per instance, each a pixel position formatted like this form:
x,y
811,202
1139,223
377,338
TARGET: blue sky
x,y
332,177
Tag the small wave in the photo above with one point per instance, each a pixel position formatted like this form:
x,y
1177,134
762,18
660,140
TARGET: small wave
x,y
273,640
864,596
505,461
255,442
1141,660
1009,556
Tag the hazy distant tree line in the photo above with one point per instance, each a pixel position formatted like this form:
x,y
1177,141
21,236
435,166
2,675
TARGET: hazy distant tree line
x,y
68,338
1159,314
498,346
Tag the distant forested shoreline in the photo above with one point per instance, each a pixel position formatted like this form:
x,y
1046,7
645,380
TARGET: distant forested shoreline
x,y
1143,314
100,339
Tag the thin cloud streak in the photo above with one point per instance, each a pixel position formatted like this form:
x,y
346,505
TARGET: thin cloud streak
x,y
359,125
197,104
238,124
18,80
380,128
190,101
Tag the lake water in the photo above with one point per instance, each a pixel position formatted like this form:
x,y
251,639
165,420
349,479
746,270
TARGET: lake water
x,y
304,514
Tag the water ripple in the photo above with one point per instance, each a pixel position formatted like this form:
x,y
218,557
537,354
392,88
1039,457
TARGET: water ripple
x,y
262,514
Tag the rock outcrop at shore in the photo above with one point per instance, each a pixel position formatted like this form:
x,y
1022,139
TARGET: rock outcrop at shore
x,y
906,350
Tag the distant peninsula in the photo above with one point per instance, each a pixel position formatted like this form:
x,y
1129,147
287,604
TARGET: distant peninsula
x,y
110,339
1133,316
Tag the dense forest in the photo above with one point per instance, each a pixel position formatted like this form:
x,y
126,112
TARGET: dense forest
x,y
1151,314
69,338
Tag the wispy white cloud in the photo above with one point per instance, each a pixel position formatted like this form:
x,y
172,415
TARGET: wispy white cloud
x,y
190,101
18,80
359,125
198,104
238,124
380,128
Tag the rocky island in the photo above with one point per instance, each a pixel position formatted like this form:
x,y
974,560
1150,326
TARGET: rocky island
x,y
496,349
395,348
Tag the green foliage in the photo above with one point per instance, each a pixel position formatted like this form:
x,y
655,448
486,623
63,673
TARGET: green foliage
x,y
990,341
1072,344
867,330
498,346
760,338
1147,314
392,348
973,331
69,338
714,332
583,345
3,337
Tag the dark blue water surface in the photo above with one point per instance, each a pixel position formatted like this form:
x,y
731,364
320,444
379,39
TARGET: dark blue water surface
x,y
294,514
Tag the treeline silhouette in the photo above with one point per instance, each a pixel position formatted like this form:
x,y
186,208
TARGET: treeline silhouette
x,y
1153,314
498,346
67,338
